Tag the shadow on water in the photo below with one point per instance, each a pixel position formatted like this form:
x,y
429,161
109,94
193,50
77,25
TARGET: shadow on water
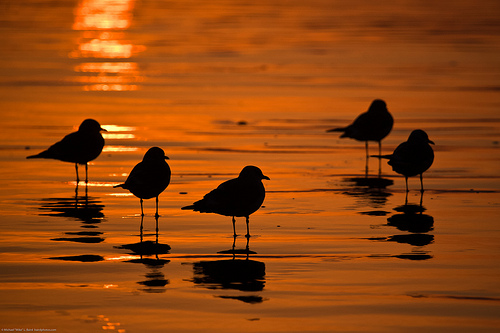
x,y
416,225
148,254
244,275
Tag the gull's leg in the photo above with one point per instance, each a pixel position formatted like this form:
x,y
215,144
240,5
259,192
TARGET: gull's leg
x,y
86,173
406,181
142,209
421,201
142,227
77,178
157,229
379,159
157,215
421,184
234,227
248,229
247,248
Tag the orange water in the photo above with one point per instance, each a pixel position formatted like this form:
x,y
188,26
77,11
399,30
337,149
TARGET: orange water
x,y
223,84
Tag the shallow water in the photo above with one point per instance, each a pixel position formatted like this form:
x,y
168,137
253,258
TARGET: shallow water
x,y
222,85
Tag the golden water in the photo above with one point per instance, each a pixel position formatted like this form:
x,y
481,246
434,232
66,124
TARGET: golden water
x,y
223,84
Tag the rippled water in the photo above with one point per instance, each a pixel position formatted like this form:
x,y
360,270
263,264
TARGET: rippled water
x,y
223,84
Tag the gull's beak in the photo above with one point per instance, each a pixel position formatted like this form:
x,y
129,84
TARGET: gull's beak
x,y
432,142
266,177
103,129
166,157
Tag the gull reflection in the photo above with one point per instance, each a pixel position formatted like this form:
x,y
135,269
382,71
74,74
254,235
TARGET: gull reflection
x,y
370,191
87,210
103,24
244,275
148,252
417,225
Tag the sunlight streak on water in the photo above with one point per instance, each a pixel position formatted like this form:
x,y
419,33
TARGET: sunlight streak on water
x,y
102,23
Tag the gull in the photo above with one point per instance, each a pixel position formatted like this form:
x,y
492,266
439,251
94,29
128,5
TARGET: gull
x,y
372,125
78,147
236,197
149,178
412,157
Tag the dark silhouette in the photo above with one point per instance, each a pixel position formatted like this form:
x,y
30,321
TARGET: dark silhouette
x,y
237,197
78,147
415,227
147,247
150,177
155,279
80,258
412,157
370,189
86,209
238,274
411,219
372,125
234,251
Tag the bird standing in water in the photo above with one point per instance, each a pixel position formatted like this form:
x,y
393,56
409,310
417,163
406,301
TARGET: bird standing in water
x,y
372,125
150,177
236,197
79,147
412,157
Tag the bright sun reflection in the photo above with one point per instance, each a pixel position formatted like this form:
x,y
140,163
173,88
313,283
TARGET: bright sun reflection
x,y
103,23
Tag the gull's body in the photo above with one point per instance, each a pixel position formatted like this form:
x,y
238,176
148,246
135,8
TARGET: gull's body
x,y
238,197
150,177
79,147
413,157
372,125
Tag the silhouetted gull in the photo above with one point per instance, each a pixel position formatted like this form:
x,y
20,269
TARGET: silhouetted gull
x,y
78,147
372,125
412,157
236,197
150,177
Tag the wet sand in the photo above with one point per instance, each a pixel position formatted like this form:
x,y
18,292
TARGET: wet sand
x,y
332,249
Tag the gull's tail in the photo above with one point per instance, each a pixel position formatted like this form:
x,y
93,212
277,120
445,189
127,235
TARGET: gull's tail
x,y
40,155
382,156
339,129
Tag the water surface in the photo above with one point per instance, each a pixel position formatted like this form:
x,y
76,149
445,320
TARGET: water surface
x,y
225,84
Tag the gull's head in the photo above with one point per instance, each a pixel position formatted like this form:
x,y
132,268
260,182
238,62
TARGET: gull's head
x,y
419,135
252,172
378,105
90,125
155,154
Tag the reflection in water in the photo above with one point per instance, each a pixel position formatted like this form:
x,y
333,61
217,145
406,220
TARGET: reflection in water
x,y
86,209
411,219
237,274
155,279
102,23
371,191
